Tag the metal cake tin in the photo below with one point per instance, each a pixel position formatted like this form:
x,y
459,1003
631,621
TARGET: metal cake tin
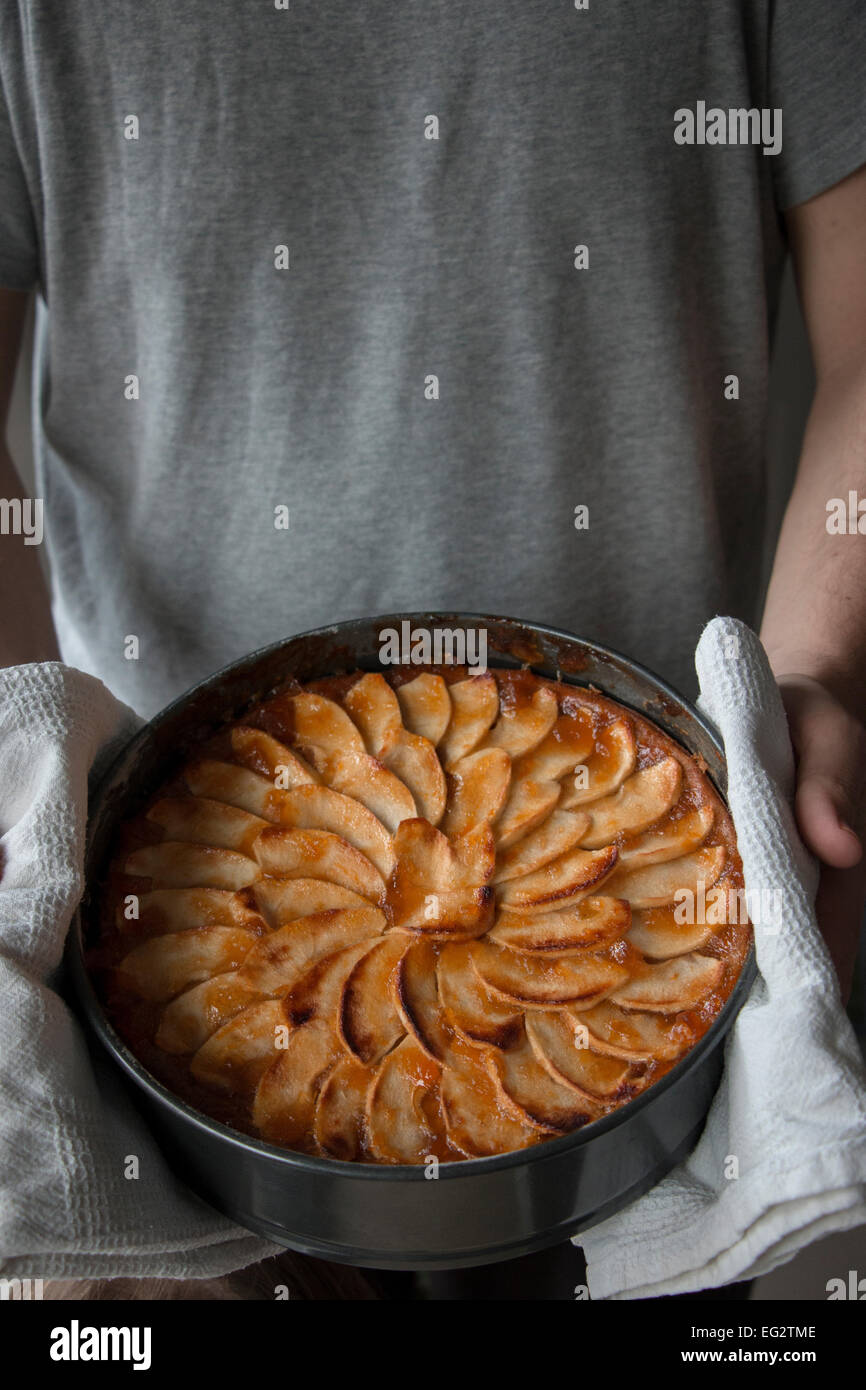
x,y
394,1217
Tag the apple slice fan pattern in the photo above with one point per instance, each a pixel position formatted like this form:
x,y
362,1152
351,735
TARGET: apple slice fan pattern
x,y
434,916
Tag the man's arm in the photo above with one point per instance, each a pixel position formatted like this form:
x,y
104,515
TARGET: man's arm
x,y
26,629
814,625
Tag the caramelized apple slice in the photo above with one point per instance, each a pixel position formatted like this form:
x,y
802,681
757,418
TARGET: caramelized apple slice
x,y
282,900
561,882
318,854
338,1126
368,1021
370,782
554,1040
285,1102
319,991
670,840
234,785
479,787
416,998
673,985
529,804
476,1123
658,884
264,754
539,983
376,710
174,864
560,832
174,909
164,965
569,742
324,732
398,1128
236,1055
607,767
277,961
523,724
320,808
474,706
532,1095
434,886
469,1006
657,934
190,1019
634,1036
198,820
593,922
426,706
641,800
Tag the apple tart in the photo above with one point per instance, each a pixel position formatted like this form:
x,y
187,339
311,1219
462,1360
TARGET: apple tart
x,y
434,915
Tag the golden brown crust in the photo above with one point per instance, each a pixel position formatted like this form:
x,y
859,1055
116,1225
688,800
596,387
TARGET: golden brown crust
x,y
436,915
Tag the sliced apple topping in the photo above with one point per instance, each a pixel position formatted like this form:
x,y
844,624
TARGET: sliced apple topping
x,y
479,787
533,1096
468,1005
376,710
367,1020
560,832
235,1057
416,998
474,707
198,820
398,1125
641,800
606,767
523,724
555,1040
426,706
631,1035
285,1101
529,804
435,884
319,991
563,881
264,754
281,900
476,1123
288,854
320,808
236,786
569,742
659,884
161,967
338,1125
277,961
669,840
658,935
174,909
538,983
324,732
191,1018
673,985
592,922
176,864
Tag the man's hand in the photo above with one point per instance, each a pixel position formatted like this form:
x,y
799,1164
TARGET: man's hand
x,y
830,806
814,626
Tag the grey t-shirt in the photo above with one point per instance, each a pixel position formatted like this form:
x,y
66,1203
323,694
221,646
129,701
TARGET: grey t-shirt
x,y
429,378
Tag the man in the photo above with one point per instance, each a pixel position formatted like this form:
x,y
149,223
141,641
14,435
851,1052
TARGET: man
x,y
354,308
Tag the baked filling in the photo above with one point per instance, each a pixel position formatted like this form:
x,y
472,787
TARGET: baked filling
x,y
437,915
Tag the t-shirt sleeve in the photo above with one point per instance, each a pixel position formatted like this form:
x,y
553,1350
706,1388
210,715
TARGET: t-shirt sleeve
x,y
19,243
817,75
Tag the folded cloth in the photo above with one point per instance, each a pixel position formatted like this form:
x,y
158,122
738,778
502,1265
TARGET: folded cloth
x,y
791,1108
67,1126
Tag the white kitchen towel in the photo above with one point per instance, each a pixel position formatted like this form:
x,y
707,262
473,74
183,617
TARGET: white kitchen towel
x,y
67,1127
791,1108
